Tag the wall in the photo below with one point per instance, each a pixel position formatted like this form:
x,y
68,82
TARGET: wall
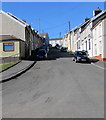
x,y
22,49
86,39
10,26
104,39
54,42
0,24
65,40
98,41
72,41
7,54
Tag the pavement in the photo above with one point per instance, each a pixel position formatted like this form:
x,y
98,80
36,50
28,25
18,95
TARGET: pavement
x,y
99,64
16,70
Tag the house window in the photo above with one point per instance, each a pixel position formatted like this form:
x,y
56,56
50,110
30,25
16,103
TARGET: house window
x,y
8,46
100,47
78,44
95,50
89,44
86,45
100,30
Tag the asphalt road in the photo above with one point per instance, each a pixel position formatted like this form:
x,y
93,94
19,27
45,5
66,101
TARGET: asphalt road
x,y
55,88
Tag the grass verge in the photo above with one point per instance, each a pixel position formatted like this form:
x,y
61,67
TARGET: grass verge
x,y
5,66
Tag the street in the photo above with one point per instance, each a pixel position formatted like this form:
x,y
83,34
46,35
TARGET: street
x,y
55,88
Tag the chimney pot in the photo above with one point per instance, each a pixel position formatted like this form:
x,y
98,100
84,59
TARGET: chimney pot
x,y
97,11
86,19
24,21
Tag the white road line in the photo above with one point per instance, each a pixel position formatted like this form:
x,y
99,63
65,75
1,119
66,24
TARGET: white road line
x,y
98,66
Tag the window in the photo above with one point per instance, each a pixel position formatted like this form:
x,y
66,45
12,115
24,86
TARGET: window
x,y
95,50
100,47
95,34
100,30
78,44
86,45
8,47
89,44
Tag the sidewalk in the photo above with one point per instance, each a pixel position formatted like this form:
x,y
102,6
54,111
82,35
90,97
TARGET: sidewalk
x,y
16,70
98,63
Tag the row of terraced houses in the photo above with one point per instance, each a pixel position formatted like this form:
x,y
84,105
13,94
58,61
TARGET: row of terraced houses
x,y
89,36
18,38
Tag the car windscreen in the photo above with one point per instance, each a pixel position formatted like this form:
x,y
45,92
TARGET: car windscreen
x,y
81,53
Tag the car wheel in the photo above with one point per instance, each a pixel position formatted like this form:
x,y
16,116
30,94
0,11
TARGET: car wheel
x,y
89,61
73,59
76,61
46,55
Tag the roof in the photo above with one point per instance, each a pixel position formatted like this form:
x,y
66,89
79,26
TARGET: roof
x,y
21,21
13,18
43,34
8,37
101,13
83,25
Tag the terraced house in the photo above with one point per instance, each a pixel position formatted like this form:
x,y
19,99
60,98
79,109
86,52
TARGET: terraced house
x,y
17,38
90,36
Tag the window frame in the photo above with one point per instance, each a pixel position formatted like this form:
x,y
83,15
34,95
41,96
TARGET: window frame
x,y
8,45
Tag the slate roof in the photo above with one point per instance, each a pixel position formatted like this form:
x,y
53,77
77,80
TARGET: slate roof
x,y
8,38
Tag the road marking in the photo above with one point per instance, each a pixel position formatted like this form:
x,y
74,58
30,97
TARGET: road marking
x,y
98,66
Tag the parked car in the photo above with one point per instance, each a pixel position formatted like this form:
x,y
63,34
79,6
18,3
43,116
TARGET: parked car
x,y
63,49
41,54
46,48
57,46
50,46
81,56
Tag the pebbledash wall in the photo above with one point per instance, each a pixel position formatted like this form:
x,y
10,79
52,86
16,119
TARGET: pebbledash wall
x,y
18,47
10,53
12,28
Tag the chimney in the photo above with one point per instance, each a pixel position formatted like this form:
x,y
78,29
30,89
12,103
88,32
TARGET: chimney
x,y
97,11
86,19
24,21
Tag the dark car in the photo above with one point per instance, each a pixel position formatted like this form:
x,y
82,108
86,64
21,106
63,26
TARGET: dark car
x,y
63,49
45,48
57,46
81,56
41,54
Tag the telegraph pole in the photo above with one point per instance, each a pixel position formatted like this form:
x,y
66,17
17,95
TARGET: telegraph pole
x,y
60,34
69,25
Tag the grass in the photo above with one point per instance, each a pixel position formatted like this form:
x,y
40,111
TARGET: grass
x,y
5,66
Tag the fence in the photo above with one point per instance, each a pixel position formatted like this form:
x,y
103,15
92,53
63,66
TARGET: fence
x,y
9,61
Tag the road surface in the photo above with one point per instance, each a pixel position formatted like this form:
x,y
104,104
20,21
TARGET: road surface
x,y
55,88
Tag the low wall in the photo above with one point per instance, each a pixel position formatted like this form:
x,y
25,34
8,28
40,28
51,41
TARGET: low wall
x,y
99,57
